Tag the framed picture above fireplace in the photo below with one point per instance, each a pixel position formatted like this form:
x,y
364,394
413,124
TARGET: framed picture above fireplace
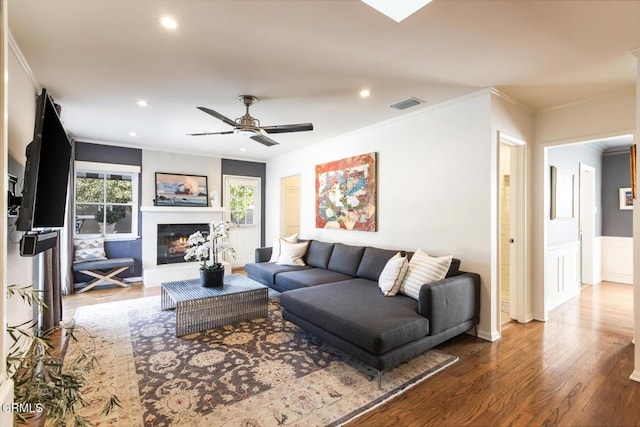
x,y
174,189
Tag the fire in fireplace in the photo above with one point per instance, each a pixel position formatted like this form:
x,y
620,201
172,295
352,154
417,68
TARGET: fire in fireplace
x,y
172,241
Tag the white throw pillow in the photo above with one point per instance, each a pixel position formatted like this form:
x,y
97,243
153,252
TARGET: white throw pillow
x,y
424,269
292,253
91,249
275,252
393,274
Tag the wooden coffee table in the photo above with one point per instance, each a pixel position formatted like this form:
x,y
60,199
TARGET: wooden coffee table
x,y
199,308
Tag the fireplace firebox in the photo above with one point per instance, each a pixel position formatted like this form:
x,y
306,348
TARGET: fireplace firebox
x,y
172,241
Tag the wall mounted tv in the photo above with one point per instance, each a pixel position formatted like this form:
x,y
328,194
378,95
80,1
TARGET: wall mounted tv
x,y
46,172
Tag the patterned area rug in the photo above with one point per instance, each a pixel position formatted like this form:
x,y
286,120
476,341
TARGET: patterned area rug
x,y
259,373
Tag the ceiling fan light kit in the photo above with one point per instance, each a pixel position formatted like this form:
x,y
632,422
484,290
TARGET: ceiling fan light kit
x,y
248,125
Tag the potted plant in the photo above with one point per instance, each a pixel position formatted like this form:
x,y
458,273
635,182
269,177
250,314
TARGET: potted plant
x,y
45,382
209,250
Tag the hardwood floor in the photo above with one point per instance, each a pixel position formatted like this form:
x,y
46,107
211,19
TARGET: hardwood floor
x,y
571,370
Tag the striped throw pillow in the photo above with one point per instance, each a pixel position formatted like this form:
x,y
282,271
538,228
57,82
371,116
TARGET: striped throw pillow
x,y
424,269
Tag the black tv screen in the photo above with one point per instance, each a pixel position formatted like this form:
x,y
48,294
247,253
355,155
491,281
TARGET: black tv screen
x,y
46,173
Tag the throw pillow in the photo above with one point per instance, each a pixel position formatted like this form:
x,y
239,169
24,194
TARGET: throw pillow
x,y
89,249
393,274
424,269
292,253
275,252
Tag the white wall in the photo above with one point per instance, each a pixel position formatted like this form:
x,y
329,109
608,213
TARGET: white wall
x,y
22,106
434,178
515,121
169,162
636,236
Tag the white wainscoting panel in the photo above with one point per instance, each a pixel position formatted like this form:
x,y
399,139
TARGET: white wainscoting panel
x,y
562,275
617,259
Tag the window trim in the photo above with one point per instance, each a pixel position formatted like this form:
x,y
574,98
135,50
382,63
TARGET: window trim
x,y
113,169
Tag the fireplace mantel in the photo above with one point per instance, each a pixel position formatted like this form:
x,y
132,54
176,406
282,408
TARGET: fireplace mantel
x,y
185,209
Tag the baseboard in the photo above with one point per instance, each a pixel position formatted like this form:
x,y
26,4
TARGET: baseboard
x,y
488,336
635,376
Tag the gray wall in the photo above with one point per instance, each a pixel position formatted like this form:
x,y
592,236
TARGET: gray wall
x,y
121,156
615,175
568,158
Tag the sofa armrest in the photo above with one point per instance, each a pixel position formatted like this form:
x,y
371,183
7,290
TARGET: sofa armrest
x,y
263,254
450,302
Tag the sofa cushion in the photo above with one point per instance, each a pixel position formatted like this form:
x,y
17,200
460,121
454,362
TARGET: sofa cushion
x,y
265,272
310,277
373,262
292,253
357,312
319,253
346,259
454,269
424,269
393,275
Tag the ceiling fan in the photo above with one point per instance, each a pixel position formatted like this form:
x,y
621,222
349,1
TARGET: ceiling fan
x,y
247,125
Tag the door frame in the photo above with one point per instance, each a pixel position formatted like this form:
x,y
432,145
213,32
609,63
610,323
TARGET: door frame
x,y
518,283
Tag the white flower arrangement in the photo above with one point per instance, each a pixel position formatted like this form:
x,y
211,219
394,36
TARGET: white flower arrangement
x,y
209,249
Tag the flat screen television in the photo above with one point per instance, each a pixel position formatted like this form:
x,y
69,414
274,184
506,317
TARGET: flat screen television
x,y
46,172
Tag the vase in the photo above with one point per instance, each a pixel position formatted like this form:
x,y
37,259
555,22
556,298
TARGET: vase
x,y
212,278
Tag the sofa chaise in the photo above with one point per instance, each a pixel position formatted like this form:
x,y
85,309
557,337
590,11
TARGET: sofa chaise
x,y
335,296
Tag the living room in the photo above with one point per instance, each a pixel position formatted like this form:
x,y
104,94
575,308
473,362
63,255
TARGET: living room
x,y
437,164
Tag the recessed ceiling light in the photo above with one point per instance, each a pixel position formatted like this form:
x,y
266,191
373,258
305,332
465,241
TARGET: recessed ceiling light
x,y
142,103
364,93
132,134
168,22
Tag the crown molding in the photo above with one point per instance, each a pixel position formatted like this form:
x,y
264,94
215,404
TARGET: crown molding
x,y
512,100
23,62
635,52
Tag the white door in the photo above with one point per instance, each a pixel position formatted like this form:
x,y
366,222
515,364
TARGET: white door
x,y
587,224
242,201
512,227
290,196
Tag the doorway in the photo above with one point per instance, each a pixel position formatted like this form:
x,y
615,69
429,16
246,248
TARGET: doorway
x,y
290,205
511,230
242,199
586,220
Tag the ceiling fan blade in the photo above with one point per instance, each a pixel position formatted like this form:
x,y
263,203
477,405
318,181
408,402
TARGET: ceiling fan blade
x,y
219,116
226,132
288,128
263,139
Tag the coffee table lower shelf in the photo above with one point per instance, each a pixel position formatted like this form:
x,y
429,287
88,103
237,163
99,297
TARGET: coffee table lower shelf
x,y
199,308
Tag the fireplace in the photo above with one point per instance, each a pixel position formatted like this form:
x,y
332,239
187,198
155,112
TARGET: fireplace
x,y
172,241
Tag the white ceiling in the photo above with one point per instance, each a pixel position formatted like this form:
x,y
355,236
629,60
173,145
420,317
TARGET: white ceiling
x,y
307,61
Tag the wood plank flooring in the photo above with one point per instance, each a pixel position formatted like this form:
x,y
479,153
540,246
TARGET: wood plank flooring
x,y
572,370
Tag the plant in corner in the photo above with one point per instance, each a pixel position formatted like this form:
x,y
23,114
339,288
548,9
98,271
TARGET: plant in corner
x,y
42,379
209,250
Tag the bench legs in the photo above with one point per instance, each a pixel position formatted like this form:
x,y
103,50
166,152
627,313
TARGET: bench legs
x,y
101,276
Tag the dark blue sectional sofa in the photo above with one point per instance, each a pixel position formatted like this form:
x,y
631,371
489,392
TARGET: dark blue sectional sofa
x,y
336,297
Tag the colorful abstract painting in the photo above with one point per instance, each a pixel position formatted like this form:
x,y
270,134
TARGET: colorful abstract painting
x,y
346,193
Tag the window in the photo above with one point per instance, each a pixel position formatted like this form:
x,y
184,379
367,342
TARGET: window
x,y
106,200
242,204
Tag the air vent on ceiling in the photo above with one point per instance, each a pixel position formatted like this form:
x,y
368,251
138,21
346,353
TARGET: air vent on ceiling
x,y
407,103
